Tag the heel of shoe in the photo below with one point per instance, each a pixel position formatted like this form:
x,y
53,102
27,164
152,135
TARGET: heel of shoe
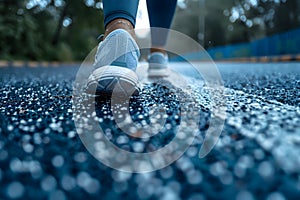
x,y
112,79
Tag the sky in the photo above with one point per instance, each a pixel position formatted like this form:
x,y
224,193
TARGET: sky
x,y
142,20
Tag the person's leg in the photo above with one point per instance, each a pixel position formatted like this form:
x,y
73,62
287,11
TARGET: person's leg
x,y
119,14
117,55
160,15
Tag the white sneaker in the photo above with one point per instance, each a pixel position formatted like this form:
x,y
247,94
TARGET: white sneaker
x,y
158,65
115,63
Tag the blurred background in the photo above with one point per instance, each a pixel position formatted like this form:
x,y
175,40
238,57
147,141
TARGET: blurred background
x,y
65,30
257,154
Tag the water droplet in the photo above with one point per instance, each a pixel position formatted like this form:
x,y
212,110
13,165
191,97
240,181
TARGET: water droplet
x,y
244,195
57,161
265,169
57,195
48,183
194,177
68,182
275,196
15,190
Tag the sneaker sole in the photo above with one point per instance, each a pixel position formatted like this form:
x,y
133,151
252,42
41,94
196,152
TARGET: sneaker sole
x,y
152,73
112,79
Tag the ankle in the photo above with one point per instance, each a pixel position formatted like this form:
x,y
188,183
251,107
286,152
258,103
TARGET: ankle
x,y
158,50
119,24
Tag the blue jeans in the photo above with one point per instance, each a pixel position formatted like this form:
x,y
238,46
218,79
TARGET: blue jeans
x,y
161,13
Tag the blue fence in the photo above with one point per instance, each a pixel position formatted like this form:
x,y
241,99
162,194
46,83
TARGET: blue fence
x,y
276,45
279,44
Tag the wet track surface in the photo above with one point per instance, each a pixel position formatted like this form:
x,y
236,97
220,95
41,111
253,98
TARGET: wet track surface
x,y
256,157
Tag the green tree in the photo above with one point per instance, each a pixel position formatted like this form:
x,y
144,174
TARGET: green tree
x,y
18,32
49,30
235,21
262,18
